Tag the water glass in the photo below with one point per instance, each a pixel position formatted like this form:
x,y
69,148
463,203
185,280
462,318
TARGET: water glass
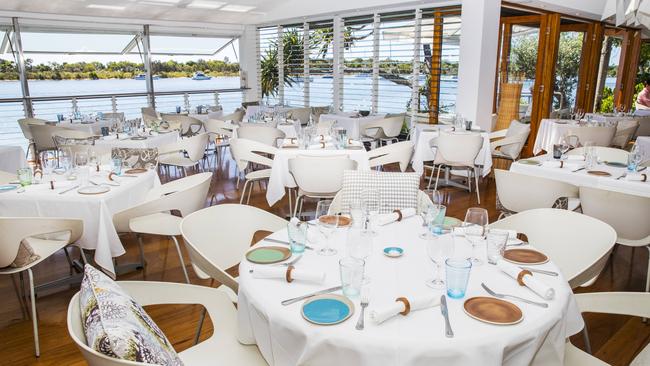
x,y
437,216
457,271
371,205
557,151
25,176
327,224
496,245
59,117
351,276
297,237
438,250
356,213
116,166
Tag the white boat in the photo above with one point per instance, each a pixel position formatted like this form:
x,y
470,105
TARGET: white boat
x,y
201,76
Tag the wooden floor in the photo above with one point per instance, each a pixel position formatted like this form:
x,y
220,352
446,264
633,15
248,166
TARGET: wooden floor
x,y
614,339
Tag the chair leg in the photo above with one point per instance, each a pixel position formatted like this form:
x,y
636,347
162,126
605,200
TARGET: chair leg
x,y
478,196
647,281
34,319
295,210
141,248
435,187
200,327
180,257
243,192
585,336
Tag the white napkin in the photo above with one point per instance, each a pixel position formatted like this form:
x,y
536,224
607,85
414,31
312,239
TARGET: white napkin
x,y
387,311
109,137
320,145
575,157
281,272
290,142
512,234
537,286
385,219
637,177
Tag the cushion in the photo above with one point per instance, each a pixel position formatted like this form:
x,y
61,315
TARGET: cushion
x,y
25,255
135,157
514,129
397,190
117,326
64,141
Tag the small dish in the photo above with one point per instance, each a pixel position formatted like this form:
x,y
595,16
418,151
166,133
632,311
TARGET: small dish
x,y
529,162
268,255
599,173
90,190
327,309
393,252
135,171
7,187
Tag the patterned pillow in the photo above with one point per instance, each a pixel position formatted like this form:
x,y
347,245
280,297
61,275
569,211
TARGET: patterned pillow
x,y
136,157
64,141
397,190
116,326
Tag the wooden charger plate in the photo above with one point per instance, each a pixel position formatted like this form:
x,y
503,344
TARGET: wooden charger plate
x,y
344,221
135,171
525,256
493,311
268,255
599,173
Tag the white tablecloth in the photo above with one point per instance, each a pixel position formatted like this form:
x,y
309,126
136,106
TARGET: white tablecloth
x,y
581,178
254,109
12,158
205,116
285,338
152,141
281,178
423,152
288,129
95,210
92,128
644,147
354,125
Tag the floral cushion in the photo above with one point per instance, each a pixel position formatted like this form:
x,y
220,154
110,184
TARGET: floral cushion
x,y
117,326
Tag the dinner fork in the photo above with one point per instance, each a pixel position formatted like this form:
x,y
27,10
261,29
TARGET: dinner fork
x,y
504,296
622,176
291,262
364,304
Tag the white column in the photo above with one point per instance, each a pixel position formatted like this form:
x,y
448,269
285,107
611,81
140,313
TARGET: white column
x,y
280,65
478,56
374,96
305,51
415,82
249,64
337,50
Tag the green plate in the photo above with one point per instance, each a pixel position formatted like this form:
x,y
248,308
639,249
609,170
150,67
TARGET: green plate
x,y
268,255
451,222
616,164
529,162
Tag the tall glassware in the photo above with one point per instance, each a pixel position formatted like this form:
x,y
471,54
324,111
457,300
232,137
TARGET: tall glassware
x,y
474,226
371,206
327,224
438,250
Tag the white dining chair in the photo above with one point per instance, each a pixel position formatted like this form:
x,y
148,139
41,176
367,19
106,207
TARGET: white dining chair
x,y
154,217
189,126
629,215
508,143
27,132
384,130
619,303
45,236
221,348
184,154
517,192
149,116
42,137
596,135
299,114
400,152
457,150
604,153
423,203
578,244
235,117
625,131
318,177
247,153
220,133
260,132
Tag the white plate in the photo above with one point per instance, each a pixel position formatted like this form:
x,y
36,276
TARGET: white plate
x,y
93,190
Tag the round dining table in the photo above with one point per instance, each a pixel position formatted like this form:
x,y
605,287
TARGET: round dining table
x,y
284,337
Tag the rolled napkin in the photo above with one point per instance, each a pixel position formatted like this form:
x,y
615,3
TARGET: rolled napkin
x,y
396,215
525,278
575,157
320,145
289,274
637,177
512,234
290,142
404,306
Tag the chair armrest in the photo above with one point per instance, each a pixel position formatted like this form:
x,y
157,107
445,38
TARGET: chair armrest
x,y
625,303
498,134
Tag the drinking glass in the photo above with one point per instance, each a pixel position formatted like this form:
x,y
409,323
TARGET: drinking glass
x,y
634,158
436,225
438,250
65,159
24,176
326,224
356,213
81,163
359,246
457,271
371,204
496,245
474,226
297,237
351,276
116,166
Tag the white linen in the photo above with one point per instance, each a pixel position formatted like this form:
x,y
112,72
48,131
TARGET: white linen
x,y
288,129
423,151
94,128
281,178
576,157
297,274
159,140
285,338
638,177
96,211
643,143
354,125
562,164
536,285
387,311
12,158
385,219
582,178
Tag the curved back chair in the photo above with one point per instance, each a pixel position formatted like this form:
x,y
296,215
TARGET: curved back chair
x,y
221,347
299,114
258,132
114,115
400,152
598,136
625,131
318,176
578,244
249,151
42,135
514,192
189,126
149,116
174,154
14,230
236,225
604,153
24,125
384,130
424,202
511,140
236,117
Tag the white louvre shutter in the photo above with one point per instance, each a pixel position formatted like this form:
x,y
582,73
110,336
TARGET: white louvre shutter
x,y
321,63
293,65
357,78
267,49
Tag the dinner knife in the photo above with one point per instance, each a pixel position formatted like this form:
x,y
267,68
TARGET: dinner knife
x,y
321,292
69,189
284,242
445,312
577,170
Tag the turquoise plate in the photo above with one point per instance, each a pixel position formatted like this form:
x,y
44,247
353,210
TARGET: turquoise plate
x,y
615,164
393,252
529,162
7,187
327,309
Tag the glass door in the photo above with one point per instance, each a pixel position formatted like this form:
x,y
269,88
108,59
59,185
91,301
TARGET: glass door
x,y
568,71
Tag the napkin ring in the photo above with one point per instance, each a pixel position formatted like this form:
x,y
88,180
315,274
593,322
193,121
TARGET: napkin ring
x,y
399,214
645,177
520,276
407,305
322,145
52,185
321,137
561,164
39,172
110,176
288,274
293,140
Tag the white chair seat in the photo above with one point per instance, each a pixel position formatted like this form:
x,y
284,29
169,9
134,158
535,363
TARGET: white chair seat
x,y
177,160
259,174
157,224
643,358
573,204
42,247
575,356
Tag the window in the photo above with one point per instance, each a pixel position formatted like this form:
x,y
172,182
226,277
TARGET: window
x,y
357,78
294,61
267,48
321,63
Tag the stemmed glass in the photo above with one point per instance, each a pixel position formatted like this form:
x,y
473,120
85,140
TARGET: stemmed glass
x,y
474,226
326,224
370,204
564,147
81,162
427,212
359,246
438,250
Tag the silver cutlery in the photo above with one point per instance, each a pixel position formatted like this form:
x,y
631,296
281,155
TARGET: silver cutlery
x,y
642,169
577,170
449,333
291,262
69,189
284,242
506,296
541,271
622,176
364,304
518,244
321,292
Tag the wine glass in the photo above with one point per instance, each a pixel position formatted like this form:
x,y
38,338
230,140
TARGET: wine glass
x,y
326,224
370,204
359,246
438,250
436,199
474,226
